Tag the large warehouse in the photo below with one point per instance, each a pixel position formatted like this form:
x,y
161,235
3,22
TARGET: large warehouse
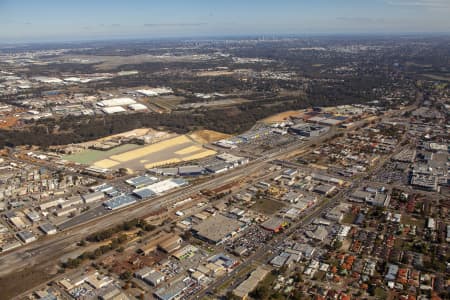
x,y
309,130
159,187
119,202
217,229
116,102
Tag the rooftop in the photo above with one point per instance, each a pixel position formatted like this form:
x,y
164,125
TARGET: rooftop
x,y
217,228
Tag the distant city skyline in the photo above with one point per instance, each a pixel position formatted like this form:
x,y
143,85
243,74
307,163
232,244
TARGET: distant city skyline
x,y
51,20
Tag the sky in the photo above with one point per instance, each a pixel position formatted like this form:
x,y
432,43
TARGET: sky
x,y
67,20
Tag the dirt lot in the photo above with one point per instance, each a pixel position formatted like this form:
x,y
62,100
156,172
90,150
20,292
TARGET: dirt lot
x,y
208,136
214,73
7,122
13,285
267,206
281,116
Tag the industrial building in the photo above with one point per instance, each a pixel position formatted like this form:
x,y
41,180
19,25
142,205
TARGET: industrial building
x,y
326,179
119,202
164,171
324,189
172,291
308,130
137,107
33,216
65,212
218,168
426,182
274,224
48,228
159,187
155,91
26,236
141,181
104,187
191,171
164,241
72,201
93,197
50,204
113,110
217,229
171,244
233,159
116,102
143,193
319,234
150,276
186,252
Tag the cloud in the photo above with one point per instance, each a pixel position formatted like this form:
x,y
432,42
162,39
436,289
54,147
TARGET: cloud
x,y
420,3
175,24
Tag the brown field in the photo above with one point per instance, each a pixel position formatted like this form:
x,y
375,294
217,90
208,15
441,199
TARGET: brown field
x,y
267,206
208,136
214,73
281,116
8,122
14,284
437,77
167,103
135,132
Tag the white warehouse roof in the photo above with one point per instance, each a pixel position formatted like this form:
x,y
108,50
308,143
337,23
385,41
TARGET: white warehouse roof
x,y
116,102
113,109
137,106
155,91
164,186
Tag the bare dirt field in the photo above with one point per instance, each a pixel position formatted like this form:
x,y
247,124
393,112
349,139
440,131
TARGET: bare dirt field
x,y
7,122
281,116
208,136
15,284
214,73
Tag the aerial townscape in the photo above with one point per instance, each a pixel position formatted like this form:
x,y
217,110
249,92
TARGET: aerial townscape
x,y
230,167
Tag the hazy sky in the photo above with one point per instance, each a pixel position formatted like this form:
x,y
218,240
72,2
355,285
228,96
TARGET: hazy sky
x,y
34,20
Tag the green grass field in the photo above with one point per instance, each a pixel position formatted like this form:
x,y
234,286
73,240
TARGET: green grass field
x,y
88,157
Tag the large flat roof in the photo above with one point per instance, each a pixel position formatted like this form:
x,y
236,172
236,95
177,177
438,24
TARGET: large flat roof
x,y
217,227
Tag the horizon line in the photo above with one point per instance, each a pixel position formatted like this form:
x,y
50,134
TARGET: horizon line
x,y
220,37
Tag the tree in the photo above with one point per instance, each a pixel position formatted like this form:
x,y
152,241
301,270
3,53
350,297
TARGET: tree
x,y
337,245
125,275
231,296
261,292
187,235
298,295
